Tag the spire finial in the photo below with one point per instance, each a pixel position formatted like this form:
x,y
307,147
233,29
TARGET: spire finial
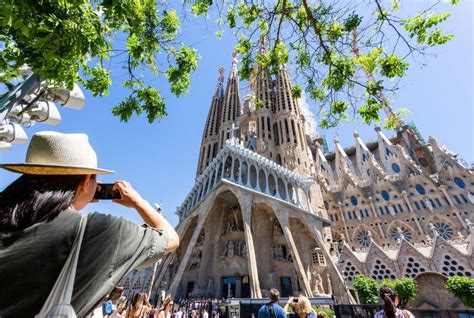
x,y
221,74
235,61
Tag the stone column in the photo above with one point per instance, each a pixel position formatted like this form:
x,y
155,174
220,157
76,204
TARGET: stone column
x,y
343,217
246,207
204,210
181,230
285,224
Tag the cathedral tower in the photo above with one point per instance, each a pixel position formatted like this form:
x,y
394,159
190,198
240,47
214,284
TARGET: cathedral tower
x,y
210,137
289,126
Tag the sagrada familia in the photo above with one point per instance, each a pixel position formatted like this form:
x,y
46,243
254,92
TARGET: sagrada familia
x,y
271,209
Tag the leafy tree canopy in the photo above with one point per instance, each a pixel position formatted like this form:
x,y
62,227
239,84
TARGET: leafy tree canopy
x,y
404,287
348,54
368,289
73,41
463,288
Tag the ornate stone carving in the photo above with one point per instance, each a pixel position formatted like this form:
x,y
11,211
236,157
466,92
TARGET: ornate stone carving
x,y
280,253
318,288
235,248
261,146
196,260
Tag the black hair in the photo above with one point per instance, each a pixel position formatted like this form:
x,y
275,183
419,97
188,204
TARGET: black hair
x,y
36,198
388,296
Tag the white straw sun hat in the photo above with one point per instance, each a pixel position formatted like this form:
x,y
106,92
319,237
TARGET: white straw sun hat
x,y
55,153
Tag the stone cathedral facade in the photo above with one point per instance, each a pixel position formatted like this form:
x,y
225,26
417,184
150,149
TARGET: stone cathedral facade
x,y
271,209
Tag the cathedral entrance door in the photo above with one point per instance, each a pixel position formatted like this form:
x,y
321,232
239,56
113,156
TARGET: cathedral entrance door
x,y
229,287
286,288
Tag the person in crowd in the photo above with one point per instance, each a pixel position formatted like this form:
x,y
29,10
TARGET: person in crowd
x,y
301,307
39,221
272,309
111,303
179,313
390,310
138,307
166,309
322,314
205,314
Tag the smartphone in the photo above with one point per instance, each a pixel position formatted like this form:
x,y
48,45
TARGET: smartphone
x,y
104,191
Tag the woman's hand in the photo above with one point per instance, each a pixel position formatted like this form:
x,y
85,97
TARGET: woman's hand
x,y
129,197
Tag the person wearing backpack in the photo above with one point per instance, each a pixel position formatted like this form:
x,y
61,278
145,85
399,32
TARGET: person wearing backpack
x,y
272,309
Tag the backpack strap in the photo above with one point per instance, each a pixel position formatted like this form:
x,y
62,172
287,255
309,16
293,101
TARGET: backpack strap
x,y
271,310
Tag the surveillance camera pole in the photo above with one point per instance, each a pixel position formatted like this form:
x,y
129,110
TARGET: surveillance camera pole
x,y
21,90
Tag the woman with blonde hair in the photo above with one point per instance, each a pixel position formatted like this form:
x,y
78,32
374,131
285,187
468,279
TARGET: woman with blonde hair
x,y
301,307
166,310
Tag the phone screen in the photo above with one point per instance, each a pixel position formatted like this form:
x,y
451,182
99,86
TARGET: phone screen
x,y
105,191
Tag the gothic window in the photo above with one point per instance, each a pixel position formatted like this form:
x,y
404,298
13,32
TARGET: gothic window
x,y
317,257
269,128
275,134
459,182
420,189
395,235
381,271
451,267
385,195
350,271
395,168
287,131
295,140
363,238
444,230
354,200
413,268
456,199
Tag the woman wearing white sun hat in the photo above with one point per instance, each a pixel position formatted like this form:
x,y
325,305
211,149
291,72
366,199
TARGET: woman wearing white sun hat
x,y
39,223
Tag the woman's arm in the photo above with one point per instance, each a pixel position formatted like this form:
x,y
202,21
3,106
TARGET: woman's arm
x,y
132,199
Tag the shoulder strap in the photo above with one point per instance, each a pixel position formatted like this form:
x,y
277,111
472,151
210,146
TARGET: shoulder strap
x,y
62,289
271,310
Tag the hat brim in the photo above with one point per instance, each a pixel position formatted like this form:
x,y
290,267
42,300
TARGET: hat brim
x,y
52,169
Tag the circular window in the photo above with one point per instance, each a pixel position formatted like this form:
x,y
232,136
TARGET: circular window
x,y
459,182
396,233
420,189
363,238
354,200
445,231
395,168
385,195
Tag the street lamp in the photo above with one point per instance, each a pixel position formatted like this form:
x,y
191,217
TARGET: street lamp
x,y
30,102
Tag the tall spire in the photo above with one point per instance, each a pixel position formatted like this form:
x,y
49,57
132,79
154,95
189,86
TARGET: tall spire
x,y
209,143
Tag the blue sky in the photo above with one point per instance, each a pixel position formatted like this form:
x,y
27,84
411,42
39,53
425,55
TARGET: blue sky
x,y
160,159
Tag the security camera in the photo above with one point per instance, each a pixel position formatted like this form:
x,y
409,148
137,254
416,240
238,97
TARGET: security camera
x,y
13,133
71,99
45,112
